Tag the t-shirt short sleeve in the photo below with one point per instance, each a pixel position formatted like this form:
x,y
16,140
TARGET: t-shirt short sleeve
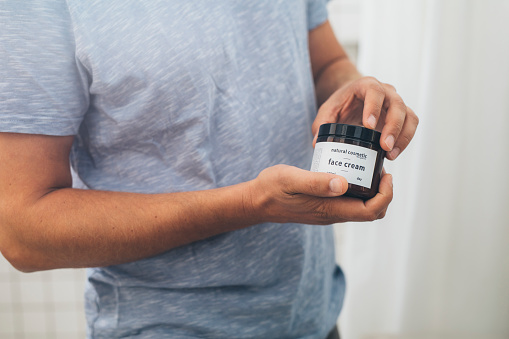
x,y
43,90
317,13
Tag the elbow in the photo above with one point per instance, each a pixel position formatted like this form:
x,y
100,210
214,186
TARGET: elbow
x,y
18,261
27,263
19,245
18,257
25,258
23,244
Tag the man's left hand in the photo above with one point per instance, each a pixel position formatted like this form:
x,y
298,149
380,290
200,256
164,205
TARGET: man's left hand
x,y
368,102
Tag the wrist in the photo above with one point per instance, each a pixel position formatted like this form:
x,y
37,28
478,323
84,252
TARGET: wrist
x,y
254,202
336,76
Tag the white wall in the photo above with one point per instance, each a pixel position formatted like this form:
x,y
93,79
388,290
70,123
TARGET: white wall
x,y
438,265
41,305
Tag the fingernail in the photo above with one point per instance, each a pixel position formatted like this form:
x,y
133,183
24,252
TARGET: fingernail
x,y
336,186
389,141
372,121
394,153
390,180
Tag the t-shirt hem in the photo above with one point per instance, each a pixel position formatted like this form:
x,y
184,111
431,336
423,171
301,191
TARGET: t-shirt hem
x,y
39,126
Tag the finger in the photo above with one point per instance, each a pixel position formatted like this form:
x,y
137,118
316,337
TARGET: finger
x,y
394,120
353,209
327,113
374,98
377,205
406,135
299,181
382,215
390,87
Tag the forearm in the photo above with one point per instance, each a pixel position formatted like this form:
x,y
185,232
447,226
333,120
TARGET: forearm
x,y
86,228
329,62
333,76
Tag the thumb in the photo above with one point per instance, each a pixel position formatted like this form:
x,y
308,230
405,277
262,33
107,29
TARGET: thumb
x,y
326,114
299,181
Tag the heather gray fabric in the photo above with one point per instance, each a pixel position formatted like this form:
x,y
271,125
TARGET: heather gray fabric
x,y
167,96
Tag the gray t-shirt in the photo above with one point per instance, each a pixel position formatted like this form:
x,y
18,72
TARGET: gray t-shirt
x,y
167,96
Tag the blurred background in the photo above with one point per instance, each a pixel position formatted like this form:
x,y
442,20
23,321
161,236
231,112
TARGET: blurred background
x,y
437,267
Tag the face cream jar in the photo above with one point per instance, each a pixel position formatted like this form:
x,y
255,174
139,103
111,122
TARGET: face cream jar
x,y
352,152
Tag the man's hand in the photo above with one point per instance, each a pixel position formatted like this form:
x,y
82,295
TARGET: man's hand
x,y
288,194
347,97
375,105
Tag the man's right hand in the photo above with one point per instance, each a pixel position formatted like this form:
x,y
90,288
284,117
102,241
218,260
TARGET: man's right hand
x,y
288,194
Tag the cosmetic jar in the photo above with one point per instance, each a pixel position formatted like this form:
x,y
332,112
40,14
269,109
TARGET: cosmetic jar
x,y
353,152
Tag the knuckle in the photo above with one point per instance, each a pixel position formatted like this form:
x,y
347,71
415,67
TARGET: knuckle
x,y
373,84
397,124
275,173
390,195
370,79
404,139
398,101
280,175
376,87
279,169
390,87
280,166
414,117
264,174
371,216
323,214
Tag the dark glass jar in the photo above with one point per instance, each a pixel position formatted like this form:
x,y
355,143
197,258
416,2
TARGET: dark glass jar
x,y
353,152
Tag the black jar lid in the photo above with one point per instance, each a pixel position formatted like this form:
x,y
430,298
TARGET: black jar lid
x,y
350,131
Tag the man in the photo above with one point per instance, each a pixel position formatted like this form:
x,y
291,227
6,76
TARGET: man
x,y
190,125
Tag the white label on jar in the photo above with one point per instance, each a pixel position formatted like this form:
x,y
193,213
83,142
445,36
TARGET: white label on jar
x,y
355,163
